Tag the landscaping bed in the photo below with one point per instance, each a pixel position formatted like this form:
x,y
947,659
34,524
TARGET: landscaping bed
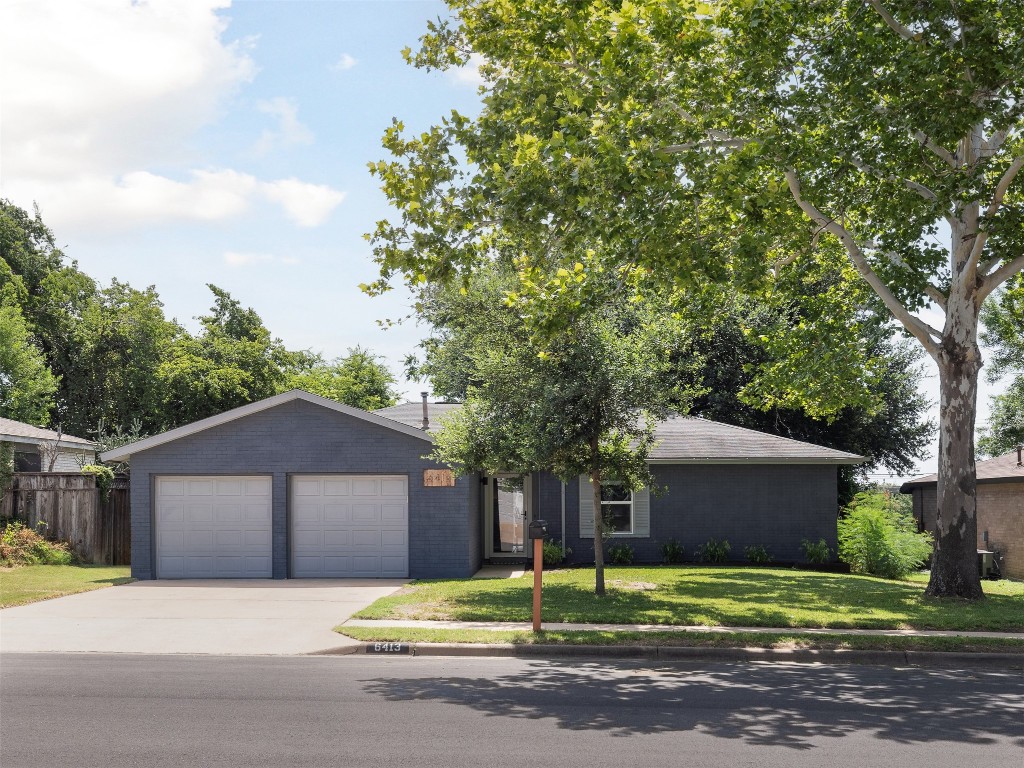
x,y
28,583
709,596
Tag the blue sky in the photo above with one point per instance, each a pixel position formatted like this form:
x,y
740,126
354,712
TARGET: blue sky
x,y
186,142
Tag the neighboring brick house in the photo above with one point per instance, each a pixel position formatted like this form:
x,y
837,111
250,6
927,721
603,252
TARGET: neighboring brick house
x,y
1000,508
34,447
301,486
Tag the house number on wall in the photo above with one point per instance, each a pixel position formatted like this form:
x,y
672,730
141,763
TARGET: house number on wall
x,y
438,478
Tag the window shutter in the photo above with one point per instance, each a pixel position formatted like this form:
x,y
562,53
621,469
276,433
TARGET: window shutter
x,y
642,512
586,508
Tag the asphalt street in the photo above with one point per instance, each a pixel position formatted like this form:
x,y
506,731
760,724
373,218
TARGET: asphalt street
x,y
125,710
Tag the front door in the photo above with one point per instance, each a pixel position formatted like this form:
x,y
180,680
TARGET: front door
x,y
507,515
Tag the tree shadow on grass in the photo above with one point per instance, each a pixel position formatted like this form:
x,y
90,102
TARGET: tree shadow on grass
x,y
778,705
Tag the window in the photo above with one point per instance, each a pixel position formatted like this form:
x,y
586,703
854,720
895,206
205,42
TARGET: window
x,y
617,507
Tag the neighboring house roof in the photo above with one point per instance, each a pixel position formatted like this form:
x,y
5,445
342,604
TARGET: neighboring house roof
x,y
411,414
125,451
12,431
683,439
1001,469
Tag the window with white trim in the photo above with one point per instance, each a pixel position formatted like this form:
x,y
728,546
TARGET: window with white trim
x,y
617,507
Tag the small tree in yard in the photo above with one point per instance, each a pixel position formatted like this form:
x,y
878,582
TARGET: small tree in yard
x,y
579,403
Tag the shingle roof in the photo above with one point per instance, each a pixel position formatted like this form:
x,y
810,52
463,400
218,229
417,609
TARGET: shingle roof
x,y
683,439
1000,469
692,439
18,431
411,414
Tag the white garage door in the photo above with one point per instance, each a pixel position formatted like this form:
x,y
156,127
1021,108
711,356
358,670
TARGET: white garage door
x,y
350,525
213,527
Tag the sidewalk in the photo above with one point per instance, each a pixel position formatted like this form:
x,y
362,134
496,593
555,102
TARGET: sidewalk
x,y
498,626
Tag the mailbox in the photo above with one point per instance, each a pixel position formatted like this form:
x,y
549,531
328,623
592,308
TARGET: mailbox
x,y
538,529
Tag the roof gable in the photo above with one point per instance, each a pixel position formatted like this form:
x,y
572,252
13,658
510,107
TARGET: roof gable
x,y
125,451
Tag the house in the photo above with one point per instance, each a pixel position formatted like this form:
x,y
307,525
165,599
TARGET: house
x,y
301,486
1000,489
35,447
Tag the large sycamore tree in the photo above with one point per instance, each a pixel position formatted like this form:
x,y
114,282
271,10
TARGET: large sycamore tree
x,y
734,142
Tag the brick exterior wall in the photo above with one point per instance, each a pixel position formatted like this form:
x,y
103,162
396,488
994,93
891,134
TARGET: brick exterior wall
x,y
300,437
1000,512
774,505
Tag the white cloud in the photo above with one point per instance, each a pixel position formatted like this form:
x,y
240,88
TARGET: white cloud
x,y
289,130
245,259
102,105
308,205
470,73
345,62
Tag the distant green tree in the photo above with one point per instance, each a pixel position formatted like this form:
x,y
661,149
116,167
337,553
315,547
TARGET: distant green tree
x,y
232,361
26,384
359,378
1003,318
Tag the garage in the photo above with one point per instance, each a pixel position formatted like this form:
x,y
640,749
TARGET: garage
x,y
349,525
213,527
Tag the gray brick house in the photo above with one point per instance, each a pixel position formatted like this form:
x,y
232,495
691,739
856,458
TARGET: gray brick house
x,y
301,486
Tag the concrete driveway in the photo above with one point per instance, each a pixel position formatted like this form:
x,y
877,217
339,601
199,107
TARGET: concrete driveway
x,y
242,617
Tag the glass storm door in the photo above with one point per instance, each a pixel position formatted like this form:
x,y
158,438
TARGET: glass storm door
x,y
507,515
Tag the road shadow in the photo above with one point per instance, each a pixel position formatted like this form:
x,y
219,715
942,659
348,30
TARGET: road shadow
x,y
778,705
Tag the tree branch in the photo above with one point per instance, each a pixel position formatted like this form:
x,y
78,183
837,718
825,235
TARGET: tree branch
x,y
731,143
1001,275
913,186
891,22
993,208
936,295
941,152
923,332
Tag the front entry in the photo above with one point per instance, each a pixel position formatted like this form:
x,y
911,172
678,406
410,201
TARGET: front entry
x,y
507,514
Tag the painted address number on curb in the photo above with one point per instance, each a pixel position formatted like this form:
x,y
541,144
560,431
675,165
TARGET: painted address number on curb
x,y
387,648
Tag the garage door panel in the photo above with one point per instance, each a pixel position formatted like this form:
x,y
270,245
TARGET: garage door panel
x,y
362,513
213,527
337,513
337,487
334,539
354,537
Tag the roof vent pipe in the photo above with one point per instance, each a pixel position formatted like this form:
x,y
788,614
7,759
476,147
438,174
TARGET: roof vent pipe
x,y
1019,449
426,418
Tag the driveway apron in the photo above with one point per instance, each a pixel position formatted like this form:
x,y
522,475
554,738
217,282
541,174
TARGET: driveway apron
x,y
243,617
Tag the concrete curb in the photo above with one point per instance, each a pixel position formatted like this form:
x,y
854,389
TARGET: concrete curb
x,y
931,659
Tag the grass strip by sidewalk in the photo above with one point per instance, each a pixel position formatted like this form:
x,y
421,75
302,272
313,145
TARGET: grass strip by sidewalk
x,y
782,640
30,583
709,596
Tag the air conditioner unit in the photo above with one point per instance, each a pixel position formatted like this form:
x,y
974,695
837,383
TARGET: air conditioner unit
x,y
986,561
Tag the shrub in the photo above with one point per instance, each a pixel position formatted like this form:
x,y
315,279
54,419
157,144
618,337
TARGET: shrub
x,y
816,552
554,554
757,554
713,551
104,478
620,554
23,546
879,536
672,552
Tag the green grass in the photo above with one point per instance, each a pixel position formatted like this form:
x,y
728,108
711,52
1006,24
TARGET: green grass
x,y
29,583
709,596
690,639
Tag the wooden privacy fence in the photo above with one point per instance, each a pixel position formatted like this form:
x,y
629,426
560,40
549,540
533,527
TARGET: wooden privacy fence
x,y
71,506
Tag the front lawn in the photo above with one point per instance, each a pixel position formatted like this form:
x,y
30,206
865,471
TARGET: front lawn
x,y
710,596
29,583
